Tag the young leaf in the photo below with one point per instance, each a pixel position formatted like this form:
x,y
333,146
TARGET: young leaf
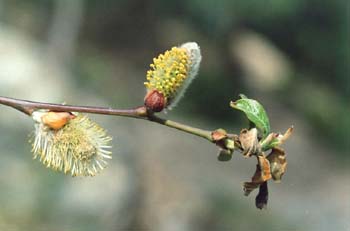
x,y
255,113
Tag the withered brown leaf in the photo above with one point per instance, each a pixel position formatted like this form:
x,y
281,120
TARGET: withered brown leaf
x,y
262,197
278,163
264,165
262,174
248,187
286,135
249,142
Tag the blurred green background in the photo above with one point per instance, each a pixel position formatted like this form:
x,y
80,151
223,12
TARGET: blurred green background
x,y
293,56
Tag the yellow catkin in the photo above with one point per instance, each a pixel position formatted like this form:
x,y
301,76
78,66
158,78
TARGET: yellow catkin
x,y
79,148
168,72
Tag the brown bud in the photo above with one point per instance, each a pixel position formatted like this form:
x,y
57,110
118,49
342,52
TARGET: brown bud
x,y
155,101
56,120
218,135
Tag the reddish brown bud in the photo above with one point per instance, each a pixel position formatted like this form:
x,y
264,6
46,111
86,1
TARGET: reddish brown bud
x,y
219,134
155,101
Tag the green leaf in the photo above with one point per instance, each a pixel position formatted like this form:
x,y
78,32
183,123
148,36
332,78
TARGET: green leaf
x,y
255,113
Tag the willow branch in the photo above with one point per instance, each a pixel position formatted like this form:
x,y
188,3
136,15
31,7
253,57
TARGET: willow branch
x,y
28,107
182,127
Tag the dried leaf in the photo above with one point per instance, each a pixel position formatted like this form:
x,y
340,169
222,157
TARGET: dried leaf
x,y
248,187
264,165
276,139
286,135
278,163
249,142
262,197
261,175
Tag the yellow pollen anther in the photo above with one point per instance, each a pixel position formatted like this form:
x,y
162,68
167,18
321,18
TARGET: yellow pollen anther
x,y
168,72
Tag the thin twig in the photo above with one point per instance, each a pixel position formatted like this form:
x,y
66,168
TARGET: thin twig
x,y
28,107
182,127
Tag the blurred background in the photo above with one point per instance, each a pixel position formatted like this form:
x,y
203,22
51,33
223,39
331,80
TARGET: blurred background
x,y
293,56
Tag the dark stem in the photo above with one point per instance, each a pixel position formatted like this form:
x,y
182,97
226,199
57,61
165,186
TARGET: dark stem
x,y
28,107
